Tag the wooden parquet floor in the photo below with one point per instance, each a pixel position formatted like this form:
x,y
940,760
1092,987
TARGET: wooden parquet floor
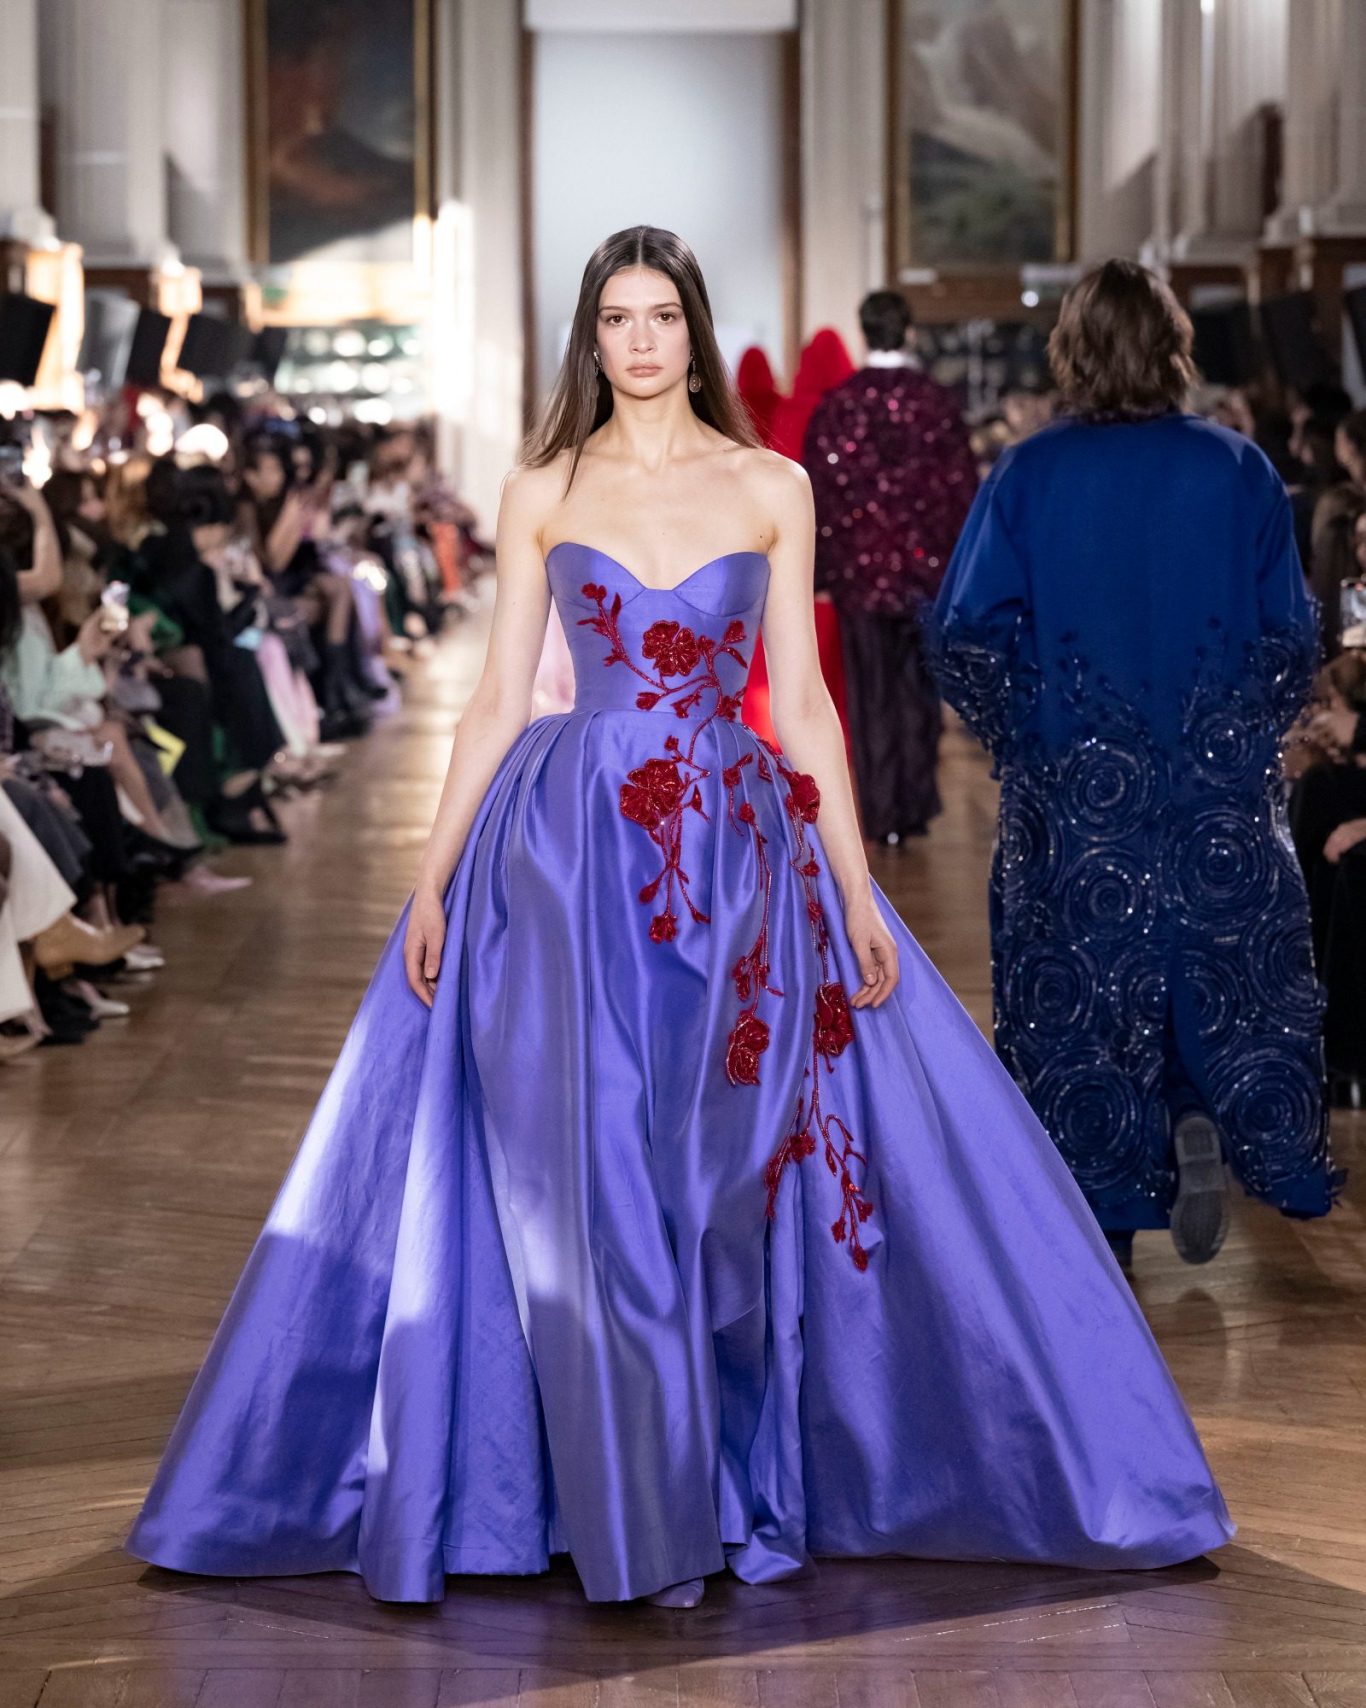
x,y
135,1171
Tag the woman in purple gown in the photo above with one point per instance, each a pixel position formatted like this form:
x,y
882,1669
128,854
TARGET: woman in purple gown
x,y
663,1206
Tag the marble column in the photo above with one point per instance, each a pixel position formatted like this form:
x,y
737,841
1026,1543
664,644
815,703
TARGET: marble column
x,y
205,135
1119,125
1227,60
1300,186
102,74
1249,76
1187,52
476,330
843,190
21,216
1343,212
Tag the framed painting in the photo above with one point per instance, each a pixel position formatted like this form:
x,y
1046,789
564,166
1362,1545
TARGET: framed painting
x,y
339,121
982,109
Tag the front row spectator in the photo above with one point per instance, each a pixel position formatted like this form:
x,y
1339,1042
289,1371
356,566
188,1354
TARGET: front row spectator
x,y
176,643
1328,821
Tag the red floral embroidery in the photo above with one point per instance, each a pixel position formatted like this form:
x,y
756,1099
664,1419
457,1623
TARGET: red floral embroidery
x,y
750,972
673,648
834,1021
655,796
832,1031
747,1042
803,797
652,792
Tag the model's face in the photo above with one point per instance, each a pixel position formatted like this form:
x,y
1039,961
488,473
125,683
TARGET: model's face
x,y
1359,543
643,341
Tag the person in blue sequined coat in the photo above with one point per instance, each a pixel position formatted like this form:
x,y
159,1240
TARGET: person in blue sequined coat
x,y
1125,625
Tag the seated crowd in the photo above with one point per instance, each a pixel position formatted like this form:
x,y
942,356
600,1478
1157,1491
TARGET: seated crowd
x,y
1328,796
184,641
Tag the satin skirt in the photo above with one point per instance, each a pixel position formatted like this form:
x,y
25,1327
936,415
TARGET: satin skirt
x,y
534,1284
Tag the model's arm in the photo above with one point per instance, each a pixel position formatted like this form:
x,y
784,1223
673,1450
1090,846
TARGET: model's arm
x,y
497,713
809,730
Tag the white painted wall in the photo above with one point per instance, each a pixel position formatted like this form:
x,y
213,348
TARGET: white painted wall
x,y
682,131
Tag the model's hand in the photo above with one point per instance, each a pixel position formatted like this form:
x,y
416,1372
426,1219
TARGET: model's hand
x,y
875,948
423,943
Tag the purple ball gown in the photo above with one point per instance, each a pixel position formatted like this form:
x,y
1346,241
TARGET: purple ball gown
x,y
642,1244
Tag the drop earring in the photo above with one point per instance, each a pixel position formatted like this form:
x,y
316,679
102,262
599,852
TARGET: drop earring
x,y
694,378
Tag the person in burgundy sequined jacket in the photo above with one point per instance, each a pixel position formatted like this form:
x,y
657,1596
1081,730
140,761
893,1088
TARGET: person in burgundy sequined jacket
x,y
893,477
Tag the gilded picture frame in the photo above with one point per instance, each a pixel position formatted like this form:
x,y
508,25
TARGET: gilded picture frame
x,y
340,129
982,106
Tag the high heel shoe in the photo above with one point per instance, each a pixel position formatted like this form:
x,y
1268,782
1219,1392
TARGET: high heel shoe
x,y
148,852
231,816
72,941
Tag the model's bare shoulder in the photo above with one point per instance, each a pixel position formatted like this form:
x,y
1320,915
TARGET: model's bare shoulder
x,y
781,487
530,493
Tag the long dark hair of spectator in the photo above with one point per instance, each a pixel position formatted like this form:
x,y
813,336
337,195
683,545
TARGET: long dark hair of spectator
x,y
64,492
16,532
267,511
581,398
10,609
1121,350
203,499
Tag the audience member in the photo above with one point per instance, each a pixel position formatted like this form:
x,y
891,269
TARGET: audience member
x,y
182,643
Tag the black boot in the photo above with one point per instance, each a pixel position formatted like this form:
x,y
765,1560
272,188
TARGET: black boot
x,y
346,712
231,816
69,1018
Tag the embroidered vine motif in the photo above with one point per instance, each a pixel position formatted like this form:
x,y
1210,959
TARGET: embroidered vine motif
x,y
656,795
749,1036
832,1031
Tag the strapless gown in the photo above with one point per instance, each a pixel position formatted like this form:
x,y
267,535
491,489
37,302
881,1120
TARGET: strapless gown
x,y
641,1244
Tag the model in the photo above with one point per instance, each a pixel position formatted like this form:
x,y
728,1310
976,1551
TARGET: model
x,y
1126,625
664,1207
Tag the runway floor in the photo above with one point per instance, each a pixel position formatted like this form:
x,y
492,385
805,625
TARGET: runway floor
x,y
134,1174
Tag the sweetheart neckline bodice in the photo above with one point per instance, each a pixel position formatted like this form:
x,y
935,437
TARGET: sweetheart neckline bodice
x,y
645,586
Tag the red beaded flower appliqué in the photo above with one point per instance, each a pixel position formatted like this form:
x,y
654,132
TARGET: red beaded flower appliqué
x,y
655,796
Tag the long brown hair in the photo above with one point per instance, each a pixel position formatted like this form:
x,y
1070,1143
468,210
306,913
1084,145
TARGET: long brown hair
x,y
581,398
1121,350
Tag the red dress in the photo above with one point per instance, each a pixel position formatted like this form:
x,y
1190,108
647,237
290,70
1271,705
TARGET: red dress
x,y
781,424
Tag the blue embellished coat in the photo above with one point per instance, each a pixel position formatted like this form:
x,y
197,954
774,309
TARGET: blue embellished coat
x,y
1124,624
